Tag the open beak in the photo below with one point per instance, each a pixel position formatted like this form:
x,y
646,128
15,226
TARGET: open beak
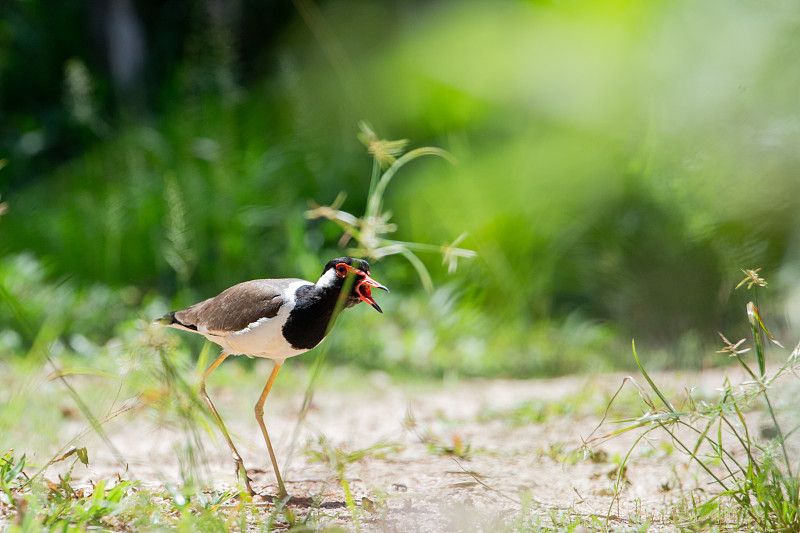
x,y
365,292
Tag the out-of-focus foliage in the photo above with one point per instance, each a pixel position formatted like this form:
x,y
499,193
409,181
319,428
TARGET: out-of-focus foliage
x,y
617,162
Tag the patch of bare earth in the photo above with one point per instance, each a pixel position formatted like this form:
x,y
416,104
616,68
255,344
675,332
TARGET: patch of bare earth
x,y
509,471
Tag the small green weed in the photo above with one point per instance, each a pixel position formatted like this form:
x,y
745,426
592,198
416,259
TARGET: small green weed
x,y
537,411
122,505
10,470
559,452
437,446
459,448
61,507
370,229
339,459
754,474
11,477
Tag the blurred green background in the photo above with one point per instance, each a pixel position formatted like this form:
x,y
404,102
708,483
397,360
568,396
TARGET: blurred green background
x,y
618,162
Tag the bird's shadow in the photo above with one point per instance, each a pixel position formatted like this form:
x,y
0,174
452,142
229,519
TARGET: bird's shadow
x,y
304,502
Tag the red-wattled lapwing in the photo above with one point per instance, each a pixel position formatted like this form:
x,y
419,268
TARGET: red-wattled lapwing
x,y
276,319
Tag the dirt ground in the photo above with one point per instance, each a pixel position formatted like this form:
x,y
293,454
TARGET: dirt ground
x,y
510,471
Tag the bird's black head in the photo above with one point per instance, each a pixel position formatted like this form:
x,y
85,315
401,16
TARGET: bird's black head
x,y
336,272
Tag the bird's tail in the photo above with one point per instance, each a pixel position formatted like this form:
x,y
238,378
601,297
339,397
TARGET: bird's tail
x,y
166,320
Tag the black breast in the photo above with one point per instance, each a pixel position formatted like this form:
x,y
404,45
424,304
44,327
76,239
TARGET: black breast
x,y
308,322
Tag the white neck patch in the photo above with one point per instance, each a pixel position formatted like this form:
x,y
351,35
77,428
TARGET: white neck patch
x,y
328,279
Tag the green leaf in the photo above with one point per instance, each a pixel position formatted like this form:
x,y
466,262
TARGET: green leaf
x,y
83,455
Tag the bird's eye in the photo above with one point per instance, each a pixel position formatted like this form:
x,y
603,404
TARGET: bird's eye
x,y
341,270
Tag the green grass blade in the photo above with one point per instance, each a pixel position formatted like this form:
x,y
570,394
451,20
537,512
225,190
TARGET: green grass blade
x,y
650,381
375,199
755,320
419,266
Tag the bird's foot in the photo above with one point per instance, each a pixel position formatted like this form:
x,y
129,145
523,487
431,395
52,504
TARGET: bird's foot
x,y
240,470
248,487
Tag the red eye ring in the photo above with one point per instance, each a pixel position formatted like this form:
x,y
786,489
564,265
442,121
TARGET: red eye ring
x,y
341,270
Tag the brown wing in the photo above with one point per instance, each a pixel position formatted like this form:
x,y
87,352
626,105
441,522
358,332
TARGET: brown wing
x,y
234,308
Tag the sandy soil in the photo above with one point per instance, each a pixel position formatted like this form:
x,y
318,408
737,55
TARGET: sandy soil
x,y
508,473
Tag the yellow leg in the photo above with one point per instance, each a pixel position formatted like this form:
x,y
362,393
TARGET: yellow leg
x,y
260,419
239,464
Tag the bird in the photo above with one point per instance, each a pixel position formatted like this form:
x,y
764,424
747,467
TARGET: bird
x,y
275,319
